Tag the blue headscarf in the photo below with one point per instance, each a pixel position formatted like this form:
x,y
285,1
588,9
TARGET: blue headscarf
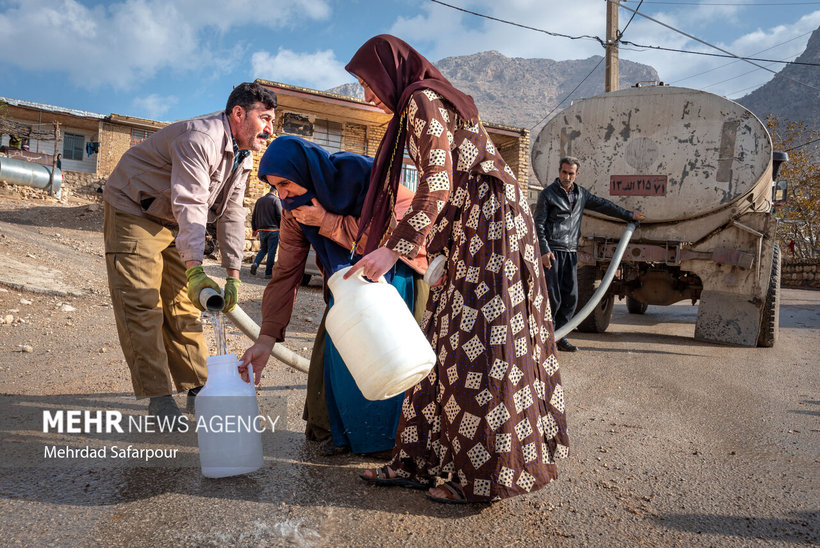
x,y
338,181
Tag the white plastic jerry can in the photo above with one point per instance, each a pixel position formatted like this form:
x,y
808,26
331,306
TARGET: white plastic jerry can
x,y
377,336
229,436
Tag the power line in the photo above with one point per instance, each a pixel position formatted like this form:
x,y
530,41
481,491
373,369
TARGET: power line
x,y
804,144
710,54
735,61
625,42
621,33
557,34
741,4
711,45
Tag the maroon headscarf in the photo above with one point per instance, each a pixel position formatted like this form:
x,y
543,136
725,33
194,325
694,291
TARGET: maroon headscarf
x,y
394,71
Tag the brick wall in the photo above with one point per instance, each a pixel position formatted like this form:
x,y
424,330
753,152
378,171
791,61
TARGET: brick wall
x,y
800,273
115,140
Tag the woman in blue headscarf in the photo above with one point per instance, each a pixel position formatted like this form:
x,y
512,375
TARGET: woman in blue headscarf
x,y
322,197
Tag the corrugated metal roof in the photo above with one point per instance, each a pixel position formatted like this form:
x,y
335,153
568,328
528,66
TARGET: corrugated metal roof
x,y
52,108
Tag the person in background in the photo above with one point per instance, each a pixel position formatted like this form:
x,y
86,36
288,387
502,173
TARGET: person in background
x,y
558,223
59,161
267,214
322,196
158,200
490,416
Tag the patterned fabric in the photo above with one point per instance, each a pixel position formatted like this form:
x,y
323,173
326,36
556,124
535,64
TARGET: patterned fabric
x,y
491,412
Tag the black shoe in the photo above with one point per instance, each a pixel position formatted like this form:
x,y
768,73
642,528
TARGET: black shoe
x,y
253,268
166,411
268,276
566,346
190,401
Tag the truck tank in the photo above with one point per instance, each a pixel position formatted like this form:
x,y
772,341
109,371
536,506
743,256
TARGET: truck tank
x,y
699,166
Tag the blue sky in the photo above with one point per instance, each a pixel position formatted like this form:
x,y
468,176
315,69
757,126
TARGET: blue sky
x,y
173,59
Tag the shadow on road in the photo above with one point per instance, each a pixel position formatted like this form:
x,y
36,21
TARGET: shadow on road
x,y
294,473
748,527
84,217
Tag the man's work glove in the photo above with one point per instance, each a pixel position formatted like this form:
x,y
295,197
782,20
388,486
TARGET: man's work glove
x,y
231,293
197,281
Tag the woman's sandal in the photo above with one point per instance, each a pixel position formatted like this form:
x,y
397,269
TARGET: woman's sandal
x,y
382,477
455,494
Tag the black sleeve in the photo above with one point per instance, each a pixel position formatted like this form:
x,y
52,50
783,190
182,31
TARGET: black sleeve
x,y
602,205
255,216
540,219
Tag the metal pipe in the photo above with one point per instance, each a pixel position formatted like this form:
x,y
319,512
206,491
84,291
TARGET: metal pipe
x,y
20,172
601,291
213,301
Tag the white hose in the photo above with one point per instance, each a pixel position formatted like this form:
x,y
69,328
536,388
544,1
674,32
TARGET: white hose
x,y
601,291
244,322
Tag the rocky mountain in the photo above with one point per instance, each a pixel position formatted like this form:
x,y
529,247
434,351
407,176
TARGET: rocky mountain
x,y
520,92
786,98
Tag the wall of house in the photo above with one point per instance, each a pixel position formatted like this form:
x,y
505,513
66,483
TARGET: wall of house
x,y
115,140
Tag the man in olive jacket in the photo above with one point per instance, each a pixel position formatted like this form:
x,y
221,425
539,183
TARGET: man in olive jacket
x,y
157,202
558,224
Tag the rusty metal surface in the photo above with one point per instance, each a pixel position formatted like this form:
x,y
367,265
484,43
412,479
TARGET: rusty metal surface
x,y
712,151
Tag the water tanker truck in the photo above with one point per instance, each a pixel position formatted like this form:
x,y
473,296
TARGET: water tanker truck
x,y
701,168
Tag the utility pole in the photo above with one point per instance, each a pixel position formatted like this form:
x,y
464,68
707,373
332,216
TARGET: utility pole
x,y
611,83
54,158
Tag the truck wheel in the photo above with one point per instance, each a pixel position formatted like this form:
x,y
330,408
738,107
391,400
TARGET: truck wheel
x,y
598,319
770,321
634,306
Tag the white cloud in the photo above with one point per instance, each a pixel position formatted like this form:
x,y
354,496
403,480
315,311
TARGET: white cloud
x,y
440,31
319,70
448,32
154,106
118,44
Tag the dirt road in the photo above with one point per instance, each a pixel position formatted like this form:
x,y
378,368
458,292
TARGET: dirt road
x,y
674,442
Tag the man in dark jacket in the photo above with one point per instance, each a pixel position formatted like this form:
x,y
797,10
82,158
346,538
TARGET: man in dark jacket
x,y
558,224
267,214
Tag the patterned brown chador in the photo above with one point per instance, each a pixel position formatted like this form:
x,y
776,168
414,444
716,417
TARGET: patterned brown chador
x,y
491,412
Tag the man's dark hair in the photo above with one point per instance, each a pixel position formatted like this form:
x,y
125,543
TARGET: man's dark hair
x,y
571,160
247,94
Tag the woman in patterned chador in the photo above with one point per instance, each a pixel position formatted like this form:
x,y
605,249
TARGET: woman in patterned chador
x,y
491,413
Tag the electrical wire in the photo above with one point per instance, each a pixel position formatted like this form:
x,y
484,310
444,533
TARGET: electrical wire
x,y
557,34
742,4
712,45
804,144
736,60
710,54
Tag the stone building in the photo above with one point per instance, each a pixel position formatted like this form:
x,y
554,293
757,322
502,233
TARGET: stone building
x,y
92,143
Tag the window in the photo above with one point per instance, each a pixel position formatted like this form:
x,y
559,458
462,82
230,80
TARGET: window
x,y
73,145
410,176
139,135
328,135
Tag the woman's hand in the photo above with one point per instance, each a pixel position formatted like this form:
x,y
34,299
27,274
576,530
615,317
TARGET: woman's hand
x,y
257,355
375,264
310,215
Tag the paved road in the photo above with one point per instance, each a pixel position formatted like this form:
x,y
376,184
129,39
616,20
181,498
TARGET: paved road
x,y
674,442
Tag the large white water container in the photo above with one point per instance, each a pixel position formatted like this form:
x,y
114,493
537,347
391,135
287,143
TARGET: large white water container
x,y
230,442
377,336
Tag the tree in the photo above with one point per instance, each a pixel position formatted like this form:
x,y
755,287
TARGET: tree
x,y
800,216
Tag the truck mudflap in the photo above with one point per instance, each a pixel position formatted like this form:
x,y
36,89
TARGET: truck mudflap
x,y
727,318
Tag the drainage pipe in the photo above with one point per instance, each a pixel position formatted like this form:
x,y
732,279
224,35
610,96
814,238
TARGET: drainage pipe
x,y
601,291
20,172
213,301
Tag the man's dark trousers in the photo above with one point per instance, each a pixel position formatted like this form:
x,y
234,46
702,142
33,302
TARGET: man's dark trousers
x,y
562,284
268,242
